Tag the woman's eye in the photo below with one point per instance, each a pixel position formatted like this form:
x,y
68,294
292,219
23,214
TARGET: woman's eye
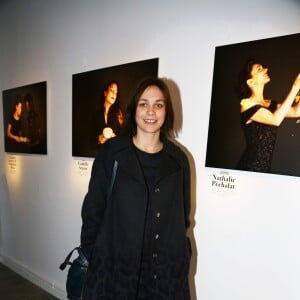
x,y
160,105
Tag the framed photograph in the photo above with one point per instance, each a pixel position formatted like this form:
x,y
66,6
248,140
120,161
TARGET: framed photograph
x,y
249,128
99,101
25,119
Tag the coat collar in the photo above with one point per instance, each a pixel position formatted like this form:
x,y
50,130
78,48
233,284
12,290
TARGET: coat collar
x,y
125,154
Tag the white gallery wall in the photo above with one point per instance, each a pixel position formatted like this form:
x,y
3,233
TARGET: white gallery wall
x,y
246,240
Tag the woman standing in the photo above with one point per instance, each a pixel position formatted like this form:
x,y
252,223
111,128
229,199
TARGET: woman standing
x,y
15,139
260,117
136,240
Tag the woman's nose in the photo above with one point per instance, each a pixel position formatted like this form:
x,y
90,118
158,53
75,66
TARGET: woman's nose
x,y
150,109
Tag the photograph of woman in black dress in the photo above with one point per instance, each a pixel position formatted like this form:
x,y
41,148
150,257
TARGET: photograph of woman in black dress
x,y
260,116
25,118
254,120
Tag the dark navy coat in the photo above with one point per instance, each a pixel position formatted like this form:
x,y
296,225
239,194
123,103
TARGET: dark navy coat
x,y
113,229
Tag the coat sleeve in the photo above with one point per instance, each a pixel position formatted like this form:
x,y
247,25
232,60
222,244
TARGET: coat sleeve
x,y
187,190
93,205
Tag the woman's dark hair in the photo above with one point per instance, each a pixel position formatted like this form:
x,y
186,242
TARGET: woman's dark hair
x,y
28,98
243,89
109,84
16,102
106,87
130,126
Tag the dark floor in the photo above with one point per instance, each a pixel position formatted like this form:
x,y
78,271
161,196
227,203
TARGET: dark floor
x,y
15,287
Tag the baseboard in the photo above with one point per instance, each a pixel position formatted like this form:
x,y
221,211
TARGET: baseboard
x,y
52,288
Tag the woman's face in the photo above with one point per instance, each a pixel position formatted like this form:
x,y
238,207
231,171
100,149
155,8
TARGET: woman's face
x,y
19,109
259,74
150,111
110,95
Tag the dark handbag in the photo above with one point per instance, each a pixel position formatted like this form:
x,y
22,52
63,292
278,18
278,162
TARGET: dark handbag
x,y
78,268
76,274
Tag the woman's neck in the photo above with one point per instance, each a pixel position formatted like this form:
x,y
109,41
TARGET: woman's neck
x,y
16,116
258,94
107,106
148,144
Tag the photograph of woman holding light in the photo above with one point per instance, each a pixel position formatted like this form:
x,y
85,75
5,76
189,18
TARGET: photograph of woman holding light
x,y
109,117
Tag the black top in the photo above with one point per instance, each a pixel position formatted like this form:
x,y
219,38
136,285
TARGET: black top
x,y
15,126
150,164
260,141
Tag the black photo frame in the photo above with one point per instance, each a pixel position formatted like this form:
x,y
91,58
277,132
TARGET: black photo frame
x,y
88,89
25,119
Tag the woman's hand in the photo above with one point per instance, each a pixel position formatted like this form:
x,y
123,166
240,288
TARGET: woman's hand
x,y
101,139
294,111
296,84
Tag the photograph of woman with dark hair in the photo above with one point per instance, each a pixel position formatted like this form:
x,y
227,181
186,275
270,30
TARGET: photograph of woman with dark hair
x,y
25,118
99,101
109,117
260,116
136,241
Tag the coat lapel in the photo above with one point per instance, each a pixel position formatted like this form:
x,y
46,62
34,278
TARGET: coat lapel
x,y
168,167
169,163
129,163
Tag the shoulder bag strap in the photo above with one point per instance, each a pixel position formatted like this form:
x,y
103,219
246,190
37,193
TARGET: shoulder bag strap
x,y
113,176
67,260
